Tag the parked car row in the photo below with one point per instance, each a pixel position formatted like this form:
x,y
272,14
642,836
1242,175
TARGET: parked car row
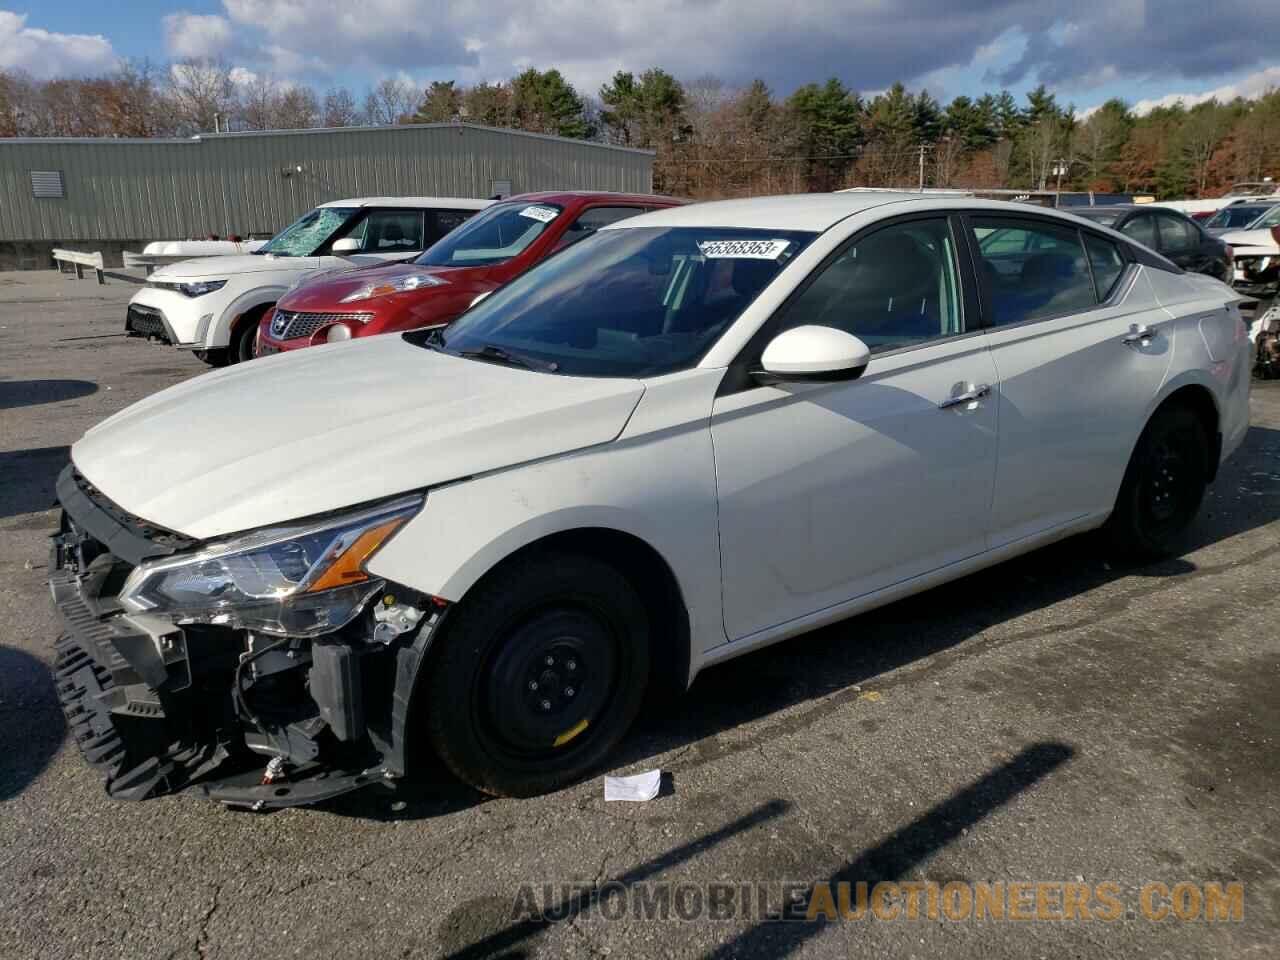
x,y
675,438
213,305
434,288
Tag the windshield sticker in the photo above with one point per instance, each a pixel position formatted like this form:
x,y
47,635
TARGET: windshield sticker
x,y
743,249
542,214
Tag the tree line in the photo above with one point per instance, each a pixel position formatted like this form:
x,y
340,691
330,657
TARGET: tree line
x,y
712,139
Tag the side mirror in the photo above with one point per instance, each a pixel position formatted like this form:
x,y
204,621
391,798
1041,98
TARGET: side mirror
x,y
346,245
813,353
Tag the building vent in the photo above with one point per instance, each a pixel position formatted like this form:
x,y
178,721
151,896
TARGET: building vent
x,y
46,184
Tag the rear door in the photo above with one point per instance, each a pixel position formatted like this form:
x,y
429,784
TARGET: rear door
x,y
1080,347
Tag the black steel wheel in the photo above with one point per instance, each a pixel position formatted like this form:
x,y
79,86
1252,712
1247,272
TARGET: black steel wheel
x,y
1163,485
538,674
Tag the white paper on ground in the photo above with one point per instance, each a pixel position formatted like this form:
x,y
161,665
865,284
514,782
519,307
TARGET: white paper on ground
x,y
642,786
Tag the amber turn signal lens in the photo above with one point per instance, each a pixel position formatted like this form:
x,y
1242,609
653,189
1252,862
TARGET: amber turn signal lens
x,y
349,566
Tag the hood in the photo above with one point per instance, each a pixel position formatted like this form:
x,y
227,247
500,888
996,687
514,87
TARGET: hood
x,y
325,291
322,429
1260,241
210,268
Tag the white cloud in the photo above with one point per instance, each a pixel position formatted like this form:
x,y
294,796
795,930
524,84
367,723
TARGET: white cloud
x,y
197,35
44,54
1254,85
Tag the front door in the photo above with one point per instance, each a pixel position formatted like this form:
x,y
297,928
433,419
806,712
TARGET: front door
x,y
830,491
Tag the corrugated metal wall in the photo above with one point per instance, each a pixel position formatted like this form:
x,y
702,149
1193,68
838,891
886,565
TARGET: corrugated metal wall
x,y
235,183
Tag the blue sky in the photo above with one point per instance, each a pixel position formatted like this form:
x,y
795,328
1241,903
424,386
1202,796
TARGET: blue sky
x,y
1141,50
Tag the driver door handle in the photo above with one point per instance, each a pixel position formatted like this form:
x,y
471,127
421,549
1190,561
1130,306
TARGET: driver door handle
x,y
969,396
1138,336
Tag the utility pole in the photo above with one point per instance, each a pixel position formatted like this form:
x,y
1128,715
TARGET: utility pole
x,y
922,168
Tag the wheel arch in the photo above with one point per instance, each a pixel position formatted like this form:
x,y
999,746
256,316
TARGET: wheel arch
x,y
1200,399
650,574
250,302
639,561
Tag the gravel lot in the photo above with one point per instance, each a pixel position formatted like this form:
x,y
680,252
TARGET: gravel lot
x,y
1054,719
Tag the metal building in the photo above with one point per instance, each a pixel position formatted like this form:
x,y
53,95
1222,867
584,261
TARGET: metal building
x,y
115,194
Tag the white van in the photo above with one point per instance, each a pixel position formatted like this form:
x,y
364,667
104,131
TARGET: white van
x,y
212,305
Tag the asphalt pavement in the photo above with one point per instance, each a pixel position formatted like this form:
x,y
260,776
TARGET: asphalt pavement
x,y
1060,719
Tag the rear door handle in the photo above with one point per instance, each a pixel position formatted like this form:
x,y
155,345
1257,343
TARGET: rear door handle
x,y
969,396
1139,336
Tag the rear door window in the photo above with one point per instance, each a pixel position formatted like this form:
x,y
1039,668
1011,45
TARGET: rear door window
x,y
390,231
1032,269
440,222
1143,229
1107,263
591,220
1176,235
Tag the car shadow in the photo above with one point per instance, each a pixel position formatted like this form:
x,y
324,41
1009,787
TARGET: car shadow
x,y
27,479
890,859
31,393
827,666
30,716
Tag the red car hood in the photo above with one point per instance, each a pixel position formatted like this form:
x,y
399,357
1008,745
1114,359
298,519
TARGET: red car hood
x,y
325,293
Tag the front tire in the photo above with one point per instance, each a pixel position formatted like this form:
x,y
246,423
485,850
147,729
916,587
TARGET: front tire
x,y
539,673
217,357
1163,486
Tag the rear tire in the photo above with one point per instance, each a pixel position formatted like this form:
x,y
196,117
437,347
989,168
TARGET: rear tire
x,y
538,675
1162,488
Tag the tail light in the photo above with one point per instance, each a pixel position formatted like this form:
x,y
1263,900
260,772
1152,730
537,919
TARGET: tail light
x,y
1275,234
1203,214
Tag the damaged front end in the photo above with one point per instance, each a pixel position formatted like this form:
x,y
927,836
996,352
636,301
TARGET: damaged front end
x,y
264,670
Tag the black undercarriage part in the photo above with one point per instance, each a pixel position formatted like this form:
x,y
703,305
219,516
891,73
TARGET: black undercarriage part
x,y
159,708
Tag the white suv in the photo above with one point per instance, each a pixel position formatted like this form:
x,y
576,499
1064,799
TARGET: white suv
x,y
212,305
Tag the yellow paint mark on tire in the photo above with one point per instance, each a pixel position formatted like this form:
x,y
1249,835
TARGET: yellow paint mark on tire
x,y
572,732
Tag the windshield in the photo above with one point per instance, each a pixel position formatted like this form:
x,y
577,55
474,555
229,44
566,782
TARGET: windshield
x,y
1240,215
495,236
1107,218
635,302
304,237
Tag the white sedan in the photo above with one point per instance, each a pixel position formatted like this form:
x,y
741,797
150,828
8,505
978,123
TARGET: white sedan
x,y
698,432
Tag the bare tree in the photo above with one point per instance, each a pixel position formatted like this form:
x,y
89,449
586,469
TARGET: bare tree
x,y
259,99
296,109
390,101
202,93
340,108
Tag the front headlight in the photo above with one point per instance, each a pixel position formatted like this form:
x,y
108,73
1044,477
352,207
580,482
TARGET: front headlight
x,y
381,288
302,579
200,287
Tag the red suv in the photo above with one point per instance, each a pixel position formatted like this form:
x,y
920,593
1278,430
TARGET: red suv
x,y
491,248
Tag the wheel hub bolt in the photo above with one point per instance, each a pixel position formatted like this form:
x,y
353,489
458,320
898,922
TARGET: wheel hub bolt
x,y
569,691
572,664
533,684
550,661
546,704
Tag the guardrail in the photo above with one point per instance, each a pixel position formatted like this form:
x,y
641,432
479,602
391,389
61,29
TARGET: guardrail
x,y
79,261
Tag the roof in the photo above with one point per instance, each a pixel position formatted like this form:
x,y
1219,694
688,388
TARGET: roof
x,y
806,211
331,131
816,212
463,203
567,196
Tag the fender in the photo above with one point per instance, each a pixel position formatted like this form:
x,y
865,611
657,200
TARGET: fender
x,y
219,334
